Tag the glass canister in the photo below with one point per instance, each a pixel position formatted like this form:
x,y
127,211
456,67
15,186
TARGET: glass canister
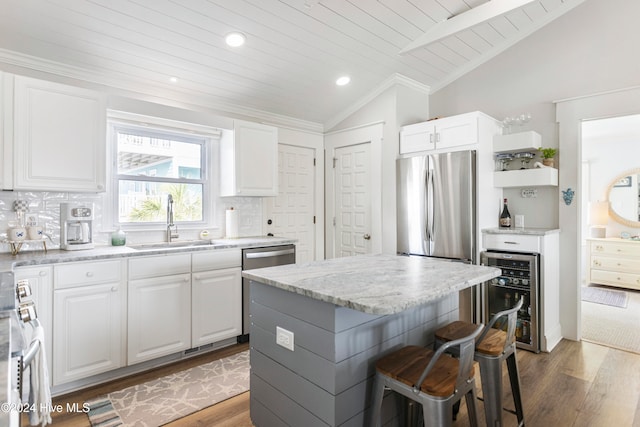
x,y
118,238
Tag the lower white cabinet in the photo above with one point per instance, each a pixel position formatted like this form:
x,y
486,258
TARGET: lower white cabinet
x,y
216,300
41,283
88,320
159,317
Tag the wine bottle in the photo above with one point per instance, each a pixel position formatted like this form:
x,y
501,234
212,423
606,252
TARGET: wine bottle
x,y
505,216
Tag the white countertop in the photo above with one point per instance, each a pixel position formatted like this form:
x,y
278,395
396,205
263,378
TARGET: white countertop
x,y
525,231
375,284
8,261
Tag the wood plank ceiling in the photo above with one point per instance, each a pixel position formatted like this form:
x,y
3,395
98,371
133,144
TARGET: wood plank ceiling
x,y
295,49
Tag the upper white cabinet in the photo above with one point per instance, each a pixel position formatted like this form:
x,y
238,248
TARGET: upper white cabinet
x,y
6,131
249,160
440,134
59,137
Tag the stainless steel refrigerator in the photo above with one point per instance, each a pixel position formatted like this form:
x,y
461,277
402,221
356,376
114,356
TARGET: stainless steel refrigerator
x,y
436,210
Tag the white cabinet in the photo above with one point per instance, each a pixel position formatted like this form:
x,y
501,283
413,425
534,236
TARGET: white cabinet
x,y
59,137
159,306
440,134
614,262
89,322
6,131
547,244
216,296
249,160
216,305
41,282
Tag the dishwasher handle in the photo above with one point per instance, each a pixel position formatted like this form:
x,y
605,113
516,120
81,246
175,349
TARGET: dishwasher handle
x,y
254,255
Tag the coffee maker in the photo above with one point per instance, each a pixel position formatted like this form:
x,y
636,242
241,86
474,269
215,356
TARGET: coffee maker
x,y
76,226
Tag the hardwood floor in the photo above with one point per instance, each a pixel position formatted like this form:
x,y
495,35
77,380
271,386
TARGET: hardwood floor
x,y
578,384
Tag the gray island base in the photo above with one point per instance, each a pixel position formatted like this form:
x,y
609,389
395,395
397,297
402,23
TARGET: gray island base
x,y
343,314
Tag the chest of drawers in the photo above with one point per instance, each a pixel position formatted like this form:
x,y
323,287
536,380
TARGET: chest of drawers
x,y
614,262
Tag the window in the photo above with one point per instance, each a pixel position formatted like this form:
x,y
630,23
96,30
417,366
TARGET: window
x,y
152,163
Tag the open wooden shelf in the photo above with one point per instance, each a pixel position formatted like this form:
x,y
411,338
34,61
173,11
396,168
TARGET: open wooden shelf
x,y
526,177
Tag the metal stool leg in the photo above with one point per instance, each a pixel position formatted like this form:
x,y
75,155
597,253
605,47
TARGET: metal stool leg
x,y
472,409
491,375
514,378
377,393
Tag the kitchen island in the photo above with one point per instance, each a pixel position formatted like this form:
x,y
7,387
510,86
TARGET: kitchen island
x,y
318,328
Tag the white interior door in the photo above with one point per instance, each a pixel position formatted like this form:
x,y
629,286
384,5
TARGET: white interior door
x,y
354,191
292,213
353,200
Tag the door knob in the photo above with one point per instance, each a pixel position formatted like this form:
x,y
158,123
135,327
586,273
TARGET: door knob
x,y
367,237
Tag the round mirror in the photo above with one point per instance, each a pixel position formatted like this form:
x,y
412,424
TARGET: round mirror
x,y
624,198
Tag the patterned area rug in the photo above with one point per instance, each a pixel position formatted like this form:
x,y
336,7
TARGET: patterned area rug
x,y
168,398
604,296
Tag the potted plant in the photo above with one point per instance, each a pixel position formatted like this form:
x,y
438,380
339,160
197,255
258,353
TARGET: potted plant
x,y
547,155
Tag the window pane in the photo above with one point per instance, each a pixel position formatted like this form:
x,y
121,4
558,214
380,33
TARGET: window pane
x,y
144,155
142,201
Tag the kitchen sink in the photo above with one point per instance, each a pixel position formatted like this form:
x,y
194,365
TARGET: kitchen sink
x,y
171,245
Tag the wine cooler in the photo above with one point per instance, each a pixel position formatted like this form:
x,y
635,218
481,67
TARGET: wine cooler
x,y
519,279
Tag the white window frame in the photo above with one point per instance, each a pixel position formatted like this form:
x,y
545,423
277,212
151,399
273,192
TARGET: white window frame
x,y
188,132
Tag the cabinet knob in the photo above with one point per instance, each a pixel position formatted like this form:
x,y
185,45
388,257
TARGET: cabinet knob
x,y
197,277
186,279
597,263
114,289
598,248
100,187
42,273
89,273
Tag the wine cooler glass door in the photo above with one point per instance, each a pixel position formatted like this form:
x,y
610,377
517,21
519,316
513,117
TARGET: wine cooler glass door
x,y
519,279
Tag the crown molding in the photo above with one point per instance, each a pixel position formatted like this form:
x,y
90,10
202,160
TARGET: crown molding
x,y
140,89
391,81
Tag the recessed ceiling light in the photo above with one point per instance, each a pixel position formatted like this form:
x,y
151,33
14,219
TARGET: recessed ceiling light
x,y
173,79
344,80
235,39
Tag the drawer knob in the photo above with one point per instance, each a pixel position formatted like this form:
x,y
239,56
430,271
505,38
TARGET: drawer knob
x,y
598,248
114,289
89,274
42,273
597,263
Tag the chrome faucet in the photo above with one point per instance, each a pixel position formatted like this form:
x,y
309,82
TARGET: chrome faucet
x,y
172,229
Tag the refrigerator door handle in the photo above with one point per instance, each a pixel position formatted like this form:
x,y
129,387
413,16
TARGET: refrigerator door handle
x,y
430,211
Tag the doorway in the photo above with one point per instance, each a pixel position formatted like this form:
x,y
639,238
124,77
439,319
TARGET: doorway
x,y
353,191
607,143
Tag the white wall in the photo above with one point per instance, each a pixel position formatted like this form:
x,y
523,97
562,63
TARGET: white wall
x,y
592,48
395,107
609,147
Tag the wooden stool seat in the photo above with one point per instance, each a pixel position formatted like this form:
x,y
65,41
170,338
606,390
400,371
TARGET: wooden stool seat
x,y
492,348
407,364
434,379
492,344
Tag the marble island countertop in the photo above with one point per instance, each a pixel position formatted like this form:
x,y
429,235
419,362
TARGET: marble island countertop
x,y
375,284
8,261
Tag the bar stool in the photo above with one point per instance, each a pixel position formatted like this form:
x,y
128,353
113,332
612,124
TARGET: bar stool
x,y
432,378
493,346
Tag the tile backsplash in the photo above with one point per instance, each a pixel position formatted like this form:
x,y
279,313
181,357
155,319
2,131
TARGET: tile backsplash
x,y
46,206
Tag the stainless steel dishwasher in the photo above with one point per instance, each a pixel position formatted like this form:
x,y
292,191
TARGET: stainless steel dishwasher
x,y
259,258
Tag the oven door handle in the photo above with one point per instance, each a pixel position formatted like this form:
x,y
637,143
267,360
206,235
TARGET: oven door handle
x,y
30,354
